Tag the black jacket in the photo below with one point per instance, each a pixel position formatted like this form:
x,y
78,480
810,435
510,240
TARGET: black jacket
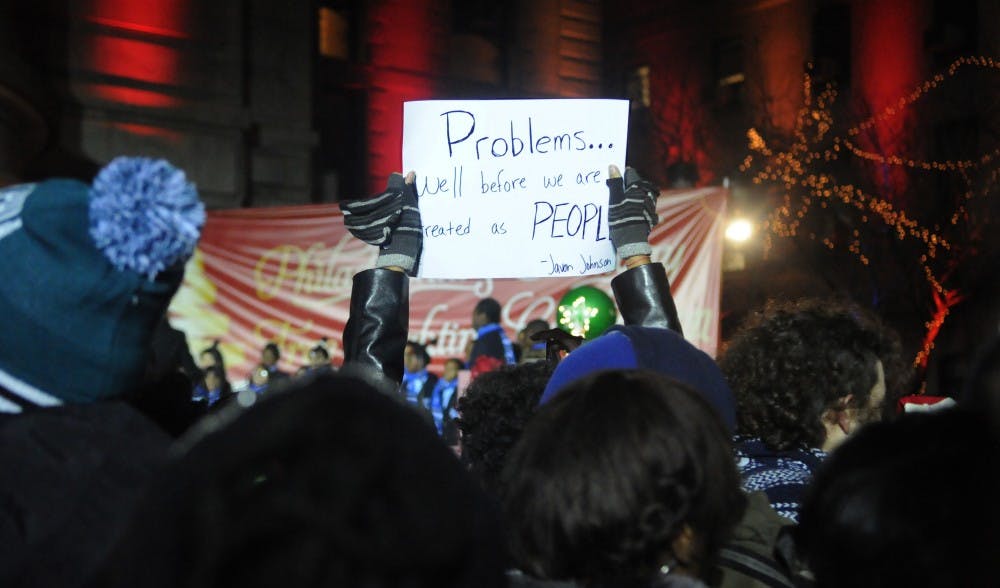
x,y
375,334
644,299
70,475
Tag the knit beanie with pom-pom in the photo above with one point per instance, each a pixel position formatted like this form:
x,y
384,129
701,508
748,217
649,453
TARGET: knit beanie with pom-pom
x,y
88,270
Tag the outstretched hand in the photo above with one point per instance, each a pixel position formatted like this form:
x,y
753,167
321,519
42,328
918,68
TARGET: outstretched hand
x,y
390,220
631,213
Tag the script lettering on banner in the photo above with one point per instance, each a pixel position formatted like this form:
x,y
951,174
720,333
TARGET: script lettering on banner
x,y
514,188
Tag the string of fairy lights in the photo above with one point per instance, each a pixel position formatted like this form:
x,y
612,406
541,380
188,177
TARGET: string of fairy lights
x,y
803,188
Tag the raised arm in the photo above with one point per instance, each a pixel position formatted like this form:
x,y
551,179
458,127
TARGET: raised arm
x,y
642,291
376,330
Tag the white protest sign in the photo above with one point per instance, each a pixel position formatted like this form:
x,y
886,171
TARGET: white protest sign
x,y
514,188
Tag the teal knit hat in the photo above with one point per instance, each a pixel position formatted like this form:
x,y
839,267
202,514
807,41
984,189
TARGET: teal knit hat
x,y
87,271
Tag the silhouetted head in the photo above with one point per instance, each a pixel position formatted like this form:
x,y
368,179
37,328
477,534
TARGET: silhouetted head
x,y
329,483
319,355
911,502
415,357
270,354
210,356
622,473
486,311
451,368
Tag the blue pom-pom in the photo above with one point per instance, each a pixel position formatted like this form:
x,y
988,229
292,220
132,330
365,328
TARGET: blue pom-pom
x,y
144,214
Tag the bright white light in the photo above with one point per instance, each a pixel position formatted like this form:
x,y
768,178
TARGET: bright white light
x,y
739,230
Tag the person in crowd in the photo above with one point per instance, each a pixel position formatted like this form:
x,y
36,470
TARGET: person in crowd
x,y
442,401
626,478
492,414
210,356
911,502
96,266
747,560
260,377
319,357
532,350
492,347
211,389
806,375
417,381
270,355
326,483
652,339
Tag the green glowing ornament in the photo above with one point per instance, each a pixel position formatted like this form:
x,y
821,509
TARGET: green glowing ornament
x,y
586,311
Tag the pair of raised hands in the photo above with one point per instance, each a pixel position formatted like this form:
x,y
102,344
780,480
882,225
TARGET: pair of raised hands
x,y
391,219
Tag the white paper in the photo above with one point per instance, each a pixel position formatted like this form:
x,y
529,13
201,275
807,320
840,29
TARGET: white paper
x,y
514,188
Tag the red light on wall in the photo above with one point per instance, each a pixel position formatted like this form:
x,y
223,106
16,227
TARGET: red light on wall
x,y
136,45
408,44
887,53
168,16
135,60
149,131
133,96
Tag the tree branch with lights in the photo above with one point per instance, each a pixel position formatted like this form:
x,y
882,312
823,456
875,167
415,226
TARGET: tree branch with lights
x,y
809,177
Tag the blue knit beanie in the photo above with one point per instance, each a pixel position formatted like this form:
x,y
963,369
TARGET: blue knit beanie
x,y
87,273
660,350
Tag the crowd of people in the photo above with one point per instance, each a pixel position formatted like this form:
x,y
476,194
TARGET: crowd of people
x,y
436,395
633,460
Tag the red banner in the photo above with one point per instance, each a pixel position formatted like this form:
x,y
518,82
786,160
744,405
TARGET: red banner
x,y
284,275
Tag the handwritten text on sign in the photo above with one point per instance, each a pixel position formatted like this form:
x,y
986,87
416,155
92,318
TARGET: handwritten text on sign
x,y
514,188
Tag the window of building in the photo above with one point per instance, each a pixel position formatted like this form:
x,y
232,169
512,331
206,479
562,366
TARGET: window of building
x,y
728,70
333,34
637,87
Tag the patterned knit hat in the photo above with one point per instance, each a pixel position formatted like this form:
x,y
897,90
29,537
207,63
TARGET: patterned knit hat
x,y
87,273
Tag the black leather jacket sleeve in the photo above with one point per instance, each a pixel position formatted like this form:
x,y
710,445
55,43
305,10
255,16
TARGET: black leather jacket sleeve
x,y
376,330
644,299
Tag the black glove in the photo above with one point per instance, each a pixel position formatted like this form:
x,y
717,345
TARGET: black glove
x,y
631,213
372,219
390,220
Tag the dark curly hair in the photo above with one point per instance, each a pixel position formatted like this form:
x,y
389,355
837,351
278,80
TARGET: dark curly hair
x,y
794,360
493,413
609,474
